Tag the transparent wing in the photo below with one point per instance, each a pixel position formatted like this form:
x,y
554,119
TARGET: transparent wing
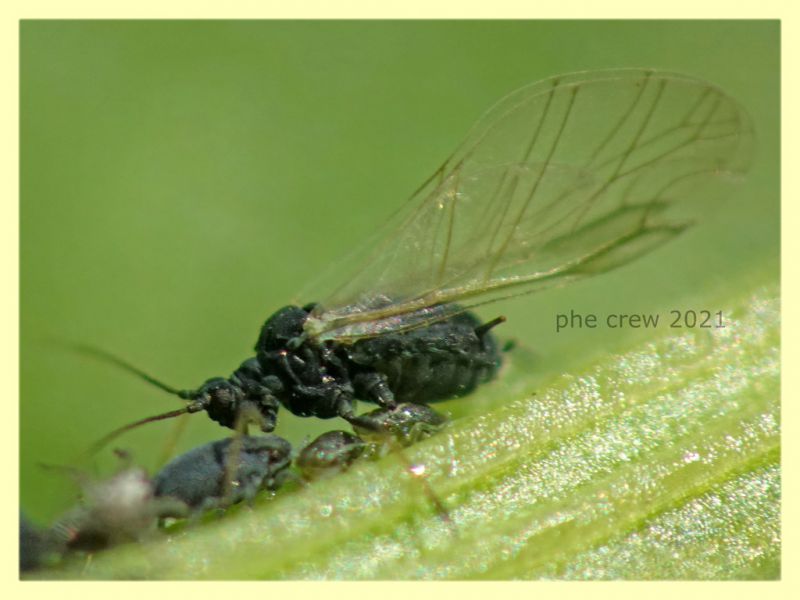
x,y
562,179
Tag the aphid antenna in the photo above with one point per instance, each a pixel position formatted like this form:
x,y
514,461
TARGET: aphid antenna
x,y
103,441
78,476
121,363
81,477
110,358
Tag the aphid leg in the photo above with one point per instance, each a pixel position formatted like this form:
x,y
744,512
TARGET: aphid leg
x,y
290,478
374,387
284,360
403,426
420,430
247,415
418,473
334,452
170,508
234,451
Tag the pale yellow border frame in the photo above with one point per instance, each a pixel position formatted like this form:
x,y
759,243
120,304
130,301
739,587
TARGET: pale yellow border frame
x,y
13,11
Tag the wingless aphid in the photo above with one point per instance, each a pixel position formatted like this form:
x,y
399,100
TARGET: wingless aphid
x,y
563,179
127,506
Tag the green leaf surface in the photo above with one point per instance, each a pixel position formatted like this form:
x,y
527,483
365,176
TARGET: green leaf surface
x,y
661,461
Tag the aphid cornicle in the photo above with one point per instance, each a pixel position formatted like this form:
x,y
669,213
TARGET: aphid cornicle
x,y
563,179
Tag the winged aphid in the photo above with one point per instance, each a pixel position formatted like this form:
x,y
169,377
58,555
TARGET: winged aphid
x,y
563,179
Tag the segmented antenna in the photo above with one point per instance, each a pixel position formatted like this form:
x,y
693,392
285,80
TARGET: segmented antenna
x,y
99,444
108,357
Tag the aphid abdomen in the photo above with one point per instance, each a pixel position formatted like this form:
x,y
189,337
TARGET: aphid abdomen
x,y
329,453
197,478
444,360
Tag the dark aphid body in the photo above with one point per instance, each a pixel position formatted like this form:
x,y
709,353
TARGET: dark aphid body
x,y
443,360
199,478
127,506
545,190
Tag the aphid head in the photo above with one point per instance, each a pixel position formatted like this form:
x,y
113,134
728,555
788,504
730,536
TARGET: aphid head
x,y
219,397
281,329
271,452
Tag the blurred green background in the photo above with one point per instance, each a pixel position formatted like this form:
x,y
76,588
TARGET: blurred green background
x,y
180,181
